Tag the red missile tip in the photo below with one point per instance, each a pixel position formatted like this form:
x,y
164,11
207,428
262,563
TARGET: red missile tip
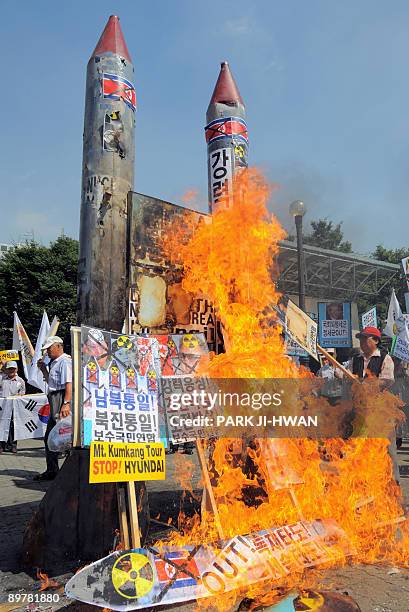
x,y
226,89
112,40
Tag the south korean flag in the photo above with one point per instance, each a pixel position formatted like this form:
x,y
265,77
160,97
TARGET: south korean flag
x,y
31,414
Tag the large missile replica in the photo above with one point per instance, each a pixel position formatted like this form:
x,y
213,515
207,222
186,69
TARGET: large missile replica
x,y
107,177
226,137
77,520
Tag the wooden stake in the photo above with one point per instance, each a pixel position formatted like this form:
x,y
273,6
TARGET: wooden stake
x,y
364,502
123,519
133,515
337,364
296,503
76,384
395,521
210,500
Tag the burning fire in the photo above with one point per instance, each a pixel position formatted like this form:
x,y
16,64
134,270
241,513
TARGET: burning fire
x,y
46,582
230,260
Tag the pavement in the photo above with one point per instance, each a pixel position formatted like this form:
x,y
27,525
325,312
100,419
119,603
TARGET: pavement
x,y
375,588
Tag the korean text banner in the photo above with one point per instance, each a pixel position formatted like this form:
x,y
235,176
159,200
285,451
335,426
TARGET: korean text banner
x,y
369,318
119,462
10,355
334,324
119,387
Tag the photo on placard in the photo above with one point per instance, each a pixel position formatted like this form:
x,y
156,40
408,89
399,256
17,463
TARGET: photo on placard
x,y
190,350
335,324
96,344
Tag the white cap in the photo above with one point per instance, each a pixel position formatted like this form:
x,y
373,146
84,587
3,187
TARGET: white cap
x,y
11,364
52,340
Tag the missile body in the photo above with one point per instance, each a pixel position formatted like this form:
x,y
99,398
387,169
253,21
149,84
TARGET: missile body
x,y
107,177
226,137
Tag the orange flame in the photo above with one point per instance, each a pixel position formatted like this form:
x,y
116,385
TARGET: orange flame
x,y
229,259
46,582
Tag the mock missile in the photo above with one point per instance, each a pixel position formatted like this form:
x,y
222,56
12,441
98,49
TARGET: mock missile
x,y
107,177
226,137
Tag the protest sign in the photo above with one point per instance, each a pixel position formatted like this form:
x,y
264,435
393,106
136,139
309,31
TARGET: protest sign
x,y
119,387
401,344
169,575
119,462
10,355
334,324
369,318
394,312
405,266
185,421
293,349
301,329
406,295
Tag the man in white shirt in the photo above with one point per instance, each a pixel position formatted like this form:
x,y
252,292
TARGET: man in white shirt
x,y
11,384
58,376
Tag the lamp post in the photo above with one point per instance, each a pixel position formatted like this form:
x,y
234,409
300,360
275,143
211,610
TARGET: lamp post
x,y
298,210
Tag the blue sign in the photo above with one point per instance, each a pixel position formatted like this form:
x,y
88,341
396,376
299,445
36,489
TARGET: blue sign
x,y
334,324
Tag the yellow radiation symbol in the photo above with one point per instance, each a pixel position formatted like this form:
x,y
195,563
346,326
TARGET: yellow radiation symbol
x,y
309,600
132,575
239,151
124,342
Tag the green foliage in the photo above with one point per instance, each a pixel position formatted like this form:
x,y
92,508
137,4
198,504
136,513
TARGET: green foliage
x,y
326,235
382,301
34,278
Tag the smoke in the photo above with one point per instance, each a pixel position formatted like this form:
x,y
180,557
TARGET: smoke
x,y
324,196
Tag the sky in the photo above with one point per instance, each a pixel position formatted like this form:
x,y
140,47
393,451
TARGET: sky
x,y
325,85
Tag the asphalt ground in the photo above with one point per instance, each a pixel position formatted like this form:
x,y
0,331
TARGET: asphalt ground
x,y
375,588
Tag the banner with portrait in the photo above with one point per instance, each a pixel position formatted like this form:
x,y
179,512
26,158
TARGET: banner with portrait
x,y
334,322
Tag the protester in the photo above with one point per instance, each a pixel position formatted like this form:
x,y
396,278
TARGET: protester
x,y
371,361
326,370
58,376
401,389
11,384
375,362
332,386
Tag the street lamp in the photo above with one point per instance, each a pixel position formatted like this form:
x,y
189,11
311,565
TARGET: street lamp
x,y
298,210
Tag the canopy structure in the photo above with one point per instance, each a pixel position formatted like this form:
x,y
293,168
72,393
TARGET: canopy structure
x,y
335,275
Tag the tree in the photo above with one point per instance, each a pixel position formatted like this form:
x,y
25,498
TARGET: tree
x,y
33,278
327,235
391,256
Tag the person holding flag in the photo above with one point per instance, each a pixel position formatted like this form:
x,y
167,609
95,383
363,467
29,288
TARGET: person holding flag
x,y
11,384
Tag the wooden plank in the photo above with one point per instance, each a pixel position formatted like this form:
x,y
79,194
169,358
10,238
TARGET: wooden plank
x,y
123,519
76,386
209,499
337,364
133,515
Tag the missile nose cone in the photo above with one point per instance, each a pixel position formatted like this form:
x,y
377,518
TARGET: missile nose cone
x,y
112,40
226,90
